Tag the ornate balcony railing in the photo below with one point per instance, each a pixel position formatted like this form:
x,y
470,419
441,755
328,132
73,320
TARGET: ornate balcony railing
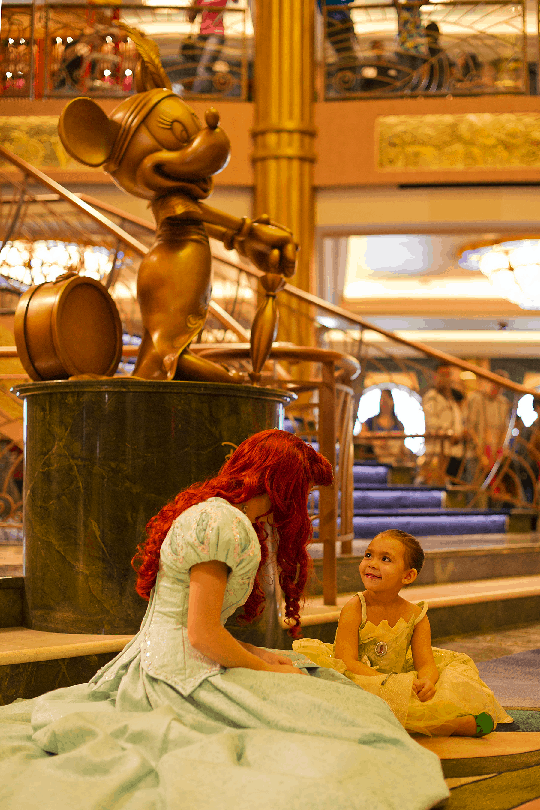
x,y
376,49
70,50
459,48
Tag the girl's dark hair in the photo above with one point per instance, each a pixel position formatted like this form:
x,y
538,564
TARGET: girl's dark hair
x,y
414,553
273,462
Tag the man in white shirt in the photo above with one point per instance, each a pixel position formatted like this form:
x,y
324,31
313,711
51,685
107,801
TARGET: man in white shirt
x,y
442,413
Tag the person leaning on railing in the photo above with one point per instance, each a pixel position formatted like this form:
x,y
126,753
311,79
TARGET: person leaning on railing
x,y
486,416
443,413
519,473
210,40
339,29
412,40
386,450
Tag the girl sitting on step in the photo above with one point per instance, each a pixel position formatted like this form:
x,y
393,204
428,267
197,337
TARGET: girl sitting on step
x,y
383,644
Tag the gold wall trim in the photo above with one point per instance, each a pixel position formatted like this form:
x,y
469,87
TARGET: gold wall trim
x,y
291,154
34,138
457,142
292,127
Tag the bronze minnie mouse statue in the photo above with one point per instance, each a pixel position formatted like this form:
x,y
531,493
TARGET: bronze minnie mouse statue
x,y
154,146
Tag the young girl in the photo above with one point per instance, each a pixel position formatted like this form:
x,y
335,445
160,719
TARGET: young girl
x,y
383,644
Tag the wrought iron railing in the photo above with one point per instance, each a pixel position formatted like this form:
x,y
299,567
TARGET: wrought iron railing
x,y
459,48
69,50
381,48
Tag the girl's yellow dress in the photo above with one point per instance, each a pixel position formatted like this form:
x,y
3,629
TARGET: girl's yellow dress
x,y
459,689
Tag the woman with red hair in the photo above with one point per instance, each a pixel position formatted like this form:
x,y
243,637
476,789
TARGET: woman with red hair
x,y
189,718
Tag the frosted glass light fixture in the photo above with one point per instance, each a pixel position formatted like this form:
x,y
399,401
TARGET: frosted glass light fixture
x,y
513,268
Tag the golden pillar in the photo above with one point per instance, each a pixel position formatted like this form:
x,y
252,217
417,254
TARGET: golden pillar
x,y
283,137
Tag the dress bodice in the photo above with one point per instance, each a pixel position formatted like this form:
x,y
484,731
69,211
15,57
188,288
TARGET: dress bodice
x,y
386,647
211,530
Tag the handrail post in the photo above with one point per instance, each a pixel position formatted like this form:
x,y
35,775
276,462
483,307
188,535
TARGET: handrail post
x,y
328,495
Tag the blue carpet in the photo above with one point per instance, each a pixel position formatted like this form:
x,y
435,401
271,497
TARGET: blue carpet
x,y
515,679
376,474
367,526
397,499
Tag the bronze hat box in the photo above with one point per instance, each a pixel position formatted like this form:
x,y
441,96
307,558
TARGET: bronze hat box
x,y
68,327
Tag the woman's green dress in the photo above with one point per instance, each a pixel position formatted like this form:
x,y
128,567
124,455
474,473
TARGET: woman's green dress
x,y
162,727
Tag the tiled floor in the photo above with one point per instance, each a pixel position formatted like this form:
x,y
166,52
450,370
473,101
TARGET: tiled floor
x,y
494,645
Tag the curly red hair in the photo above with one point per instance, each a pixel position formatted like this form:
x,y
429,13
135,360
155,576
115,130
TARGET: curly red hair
x,y
273,462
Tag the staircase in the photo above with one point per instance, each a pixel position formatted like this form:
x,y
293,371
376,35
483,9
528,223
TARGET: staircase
x,y
482,566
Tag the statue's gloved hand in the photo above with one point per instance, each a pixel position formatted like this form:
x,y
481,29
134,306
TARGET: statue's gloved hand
x,y
269,246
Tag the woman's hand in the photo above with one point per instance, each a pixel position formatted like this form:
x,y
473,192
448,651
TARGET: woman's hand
x,y
423,688
277,662
271,657
284,668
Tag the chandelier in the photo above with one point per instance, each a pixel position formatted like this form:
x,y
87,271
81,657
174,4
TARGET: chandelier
x,y
25,263
513,268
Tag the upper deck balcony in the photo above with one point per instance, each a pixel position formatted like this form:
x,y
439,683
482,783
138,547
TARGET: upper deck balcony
x,y
363,50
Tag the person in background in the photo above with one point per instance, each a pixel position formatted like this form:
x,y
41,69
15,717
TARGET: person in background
x,y
210,39
519,474
339,30
442,413
412,41
439,68
467,71
387,451
487,414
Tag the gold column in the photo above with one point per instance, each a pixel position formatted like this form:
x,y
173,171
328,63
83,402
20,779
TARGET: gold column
x,y
283,138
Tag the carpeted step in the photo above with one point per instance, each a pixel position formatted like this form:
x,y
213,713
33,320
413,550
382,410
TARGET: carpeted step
x,y
370,474
372,496
398,498
427,522
448,542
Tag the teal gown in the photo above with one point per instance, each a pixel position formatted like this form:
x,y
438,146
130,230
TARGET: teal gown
x,y
162,727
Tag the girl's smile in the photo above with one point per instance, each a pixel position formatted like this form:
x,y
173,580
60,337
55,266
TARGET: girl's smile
x,y
383,566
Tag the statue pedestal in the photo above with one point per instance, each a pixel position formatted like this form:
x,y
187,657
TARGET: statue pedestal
x,y
101,458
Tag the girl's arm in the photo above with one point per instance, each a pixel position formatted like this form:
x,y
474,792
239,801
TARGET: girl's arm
x,y
424,663
205,631
346,646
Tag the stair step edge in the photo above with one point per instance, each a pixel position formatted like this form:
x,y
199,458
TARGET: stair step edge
x,y
486,591
43,646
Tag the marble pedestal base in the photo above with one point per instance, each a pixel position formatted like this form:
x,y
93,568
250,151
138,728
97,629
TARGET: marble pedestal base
x,y
101,458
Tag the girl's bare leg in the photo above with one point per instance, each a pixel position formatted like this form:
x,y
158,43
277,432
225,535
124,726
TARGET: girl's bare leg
x,y
458,727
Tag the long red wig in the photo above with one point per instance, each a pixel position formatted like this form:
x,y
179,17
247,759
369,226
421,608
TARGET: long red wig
x,y
273,462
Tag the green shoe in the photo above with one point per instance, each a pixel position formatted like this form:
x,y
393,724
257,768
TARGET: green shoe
x,y
484,724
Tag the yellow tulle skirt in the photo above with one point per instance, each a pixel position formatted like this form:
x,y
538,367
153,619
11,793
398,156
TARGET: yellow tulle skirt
x,y
459,690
